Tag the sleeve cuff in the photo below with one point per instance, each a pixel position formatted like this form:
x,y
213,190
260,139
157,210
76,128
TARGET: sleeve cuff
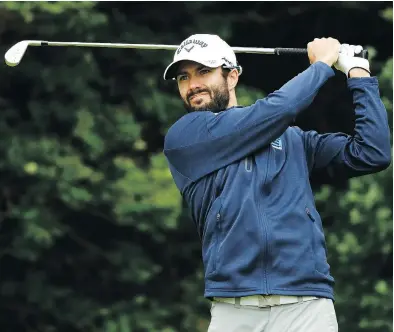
x,y
360,81
330,72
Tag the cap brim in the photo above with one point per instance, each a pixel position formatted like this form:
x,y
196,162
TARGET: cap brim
x,y
170,71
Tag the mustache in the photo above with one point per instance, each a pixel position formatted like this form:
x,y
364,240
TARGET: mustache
x,y
195,92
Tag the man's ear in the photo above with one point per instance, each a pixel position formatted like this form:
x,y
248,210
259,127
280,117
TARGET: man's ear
x,y
232,79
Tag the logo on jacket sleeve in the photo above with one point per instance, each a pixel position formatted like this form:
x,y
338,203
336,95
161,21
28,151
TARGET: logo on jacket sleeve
x,y
277,144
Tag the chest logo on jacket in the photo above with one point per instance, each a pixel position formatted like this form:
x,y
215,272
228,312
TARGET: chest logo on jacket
x,y
277,144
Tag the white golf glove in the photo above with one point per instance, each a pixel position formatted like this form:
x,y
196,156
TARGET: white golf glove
x,y
347,61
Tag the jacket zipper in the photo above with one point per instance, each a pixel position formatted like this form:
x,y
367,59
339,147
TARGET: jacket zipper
x,y
218,225
265,230
309,214
265,255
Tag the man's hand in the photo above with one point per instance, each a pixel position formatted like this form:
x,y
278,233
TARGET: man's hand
x,y
348,64
324,49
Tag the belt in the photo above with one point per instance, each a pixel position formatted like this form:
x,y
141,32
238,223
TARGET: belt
x,y
264,300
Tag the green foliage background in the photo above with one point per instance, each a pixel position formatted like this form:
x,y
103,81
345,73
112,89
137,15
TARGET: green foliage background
x,y
94,235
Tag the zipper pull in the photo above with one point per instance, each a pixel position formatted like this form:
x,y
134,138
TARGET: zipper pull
x,y
308,212
218,216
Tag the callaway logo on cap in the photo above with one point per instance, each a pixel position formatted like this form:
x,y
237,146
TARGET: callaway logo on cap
x,y
209,50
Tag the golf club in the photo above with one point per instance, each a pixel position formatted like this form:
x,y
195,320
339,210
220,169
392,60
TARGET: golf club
x,y
15,54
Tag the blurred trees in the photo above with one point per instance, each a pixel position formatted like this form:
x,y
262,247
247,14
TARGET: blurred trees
x,y
94,235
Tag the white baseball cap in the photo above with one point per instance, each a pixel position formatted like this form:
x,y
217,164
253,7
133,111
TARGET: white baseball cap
x,y
209,50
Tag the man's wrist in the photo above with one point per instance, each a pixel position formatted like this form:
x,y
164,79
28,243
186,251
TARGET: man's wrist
x,y
328,62
358,72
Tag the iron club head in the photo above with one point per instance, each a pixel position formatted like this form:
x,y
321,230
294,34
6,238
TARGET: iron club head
x,y
15,54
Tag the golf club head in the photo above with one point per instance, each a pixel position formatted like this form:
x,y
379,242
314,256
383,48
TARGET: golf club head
x,y
15,54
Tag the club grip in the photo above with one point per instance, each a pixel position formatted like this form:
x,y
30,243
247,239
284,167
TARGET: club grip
x,y
301,51
290,51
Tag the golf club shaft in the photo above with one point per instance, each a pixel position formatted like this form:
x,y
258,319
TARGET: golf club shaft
x,y
255,50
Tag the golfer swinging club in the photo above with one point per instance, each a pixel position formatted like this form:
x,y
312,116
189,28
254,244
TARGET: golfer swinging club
x,y
244,173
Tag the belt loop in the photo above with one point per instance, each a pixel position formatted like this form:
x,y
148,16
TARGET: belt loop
x,y
300,298
237,303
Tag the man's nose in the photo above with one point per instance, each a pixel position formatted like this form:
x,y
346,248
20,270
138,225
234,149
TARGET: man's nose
x,y
194,83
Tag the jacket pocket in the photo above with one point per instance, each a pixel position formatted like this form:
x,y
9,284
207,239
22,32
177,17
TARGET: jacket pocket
x,y
318,244
212,237
215,255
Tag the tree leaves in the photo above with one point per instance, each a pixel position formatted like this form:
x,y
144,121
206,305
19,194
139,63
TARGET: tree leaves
x,y
94,235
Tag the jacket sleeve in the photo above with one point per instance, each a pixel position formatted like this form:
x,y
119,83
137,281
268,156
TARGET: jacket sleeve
x,y
368,150
201,143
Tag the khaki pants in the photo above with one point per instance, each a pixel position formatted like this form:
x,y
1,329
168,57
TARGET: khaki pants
x,y
305,314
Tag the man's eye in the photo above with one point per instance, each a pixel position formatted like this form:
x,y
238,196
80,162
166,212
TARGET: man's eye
x,y
204,71
182,77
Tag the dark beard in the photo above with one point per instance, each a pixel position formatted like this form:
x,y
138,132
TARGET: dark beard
x,y
220,98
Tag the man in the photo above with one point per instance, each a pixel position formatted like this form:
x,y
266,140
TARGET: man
x,y
244,173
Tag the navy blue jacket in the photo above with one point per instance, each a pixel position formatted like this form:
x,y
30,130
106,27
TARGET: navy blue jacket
x,y
244,173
